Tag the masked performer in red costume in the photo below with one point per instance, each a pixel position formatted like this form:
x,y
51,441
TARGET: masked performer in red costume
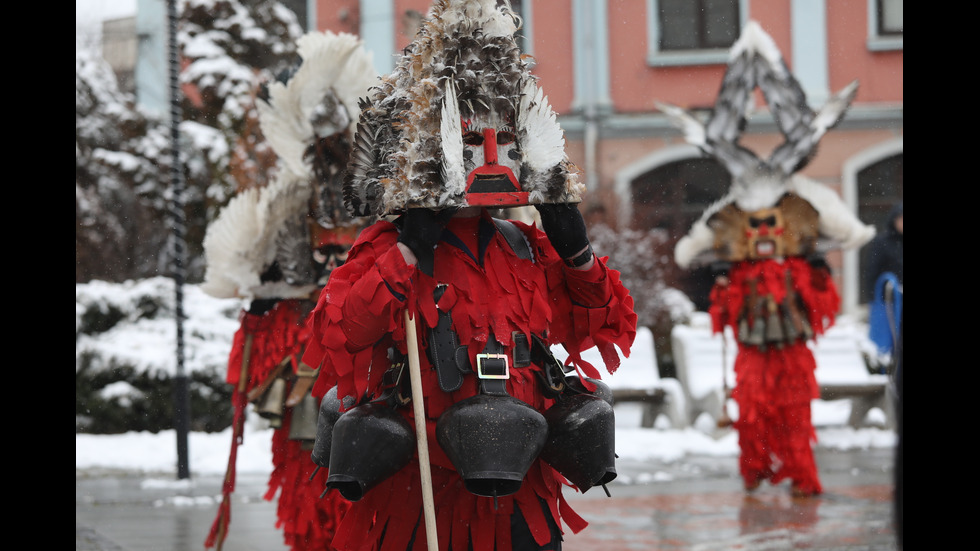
x,y
276,246
765,238
459,130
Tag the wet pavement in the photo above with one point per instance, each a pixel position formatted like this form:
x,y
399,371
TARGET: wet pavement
x,y
695,503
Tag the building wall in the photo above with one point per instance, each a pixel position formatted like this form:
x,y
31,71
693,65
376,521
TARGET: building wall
x,y
616,133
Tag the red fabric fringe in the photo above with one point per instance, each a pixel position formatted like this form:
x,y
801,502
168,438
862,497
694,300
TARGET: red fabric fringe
x,y
308,522
360,314
277,334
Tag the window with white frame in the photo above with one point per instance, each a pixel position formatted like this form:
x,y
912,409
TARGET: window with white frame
x,y
692,32
886,24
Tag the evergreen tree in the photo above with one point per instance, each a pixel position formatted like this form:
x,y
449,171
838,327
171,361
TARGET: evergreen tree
x,y
123,155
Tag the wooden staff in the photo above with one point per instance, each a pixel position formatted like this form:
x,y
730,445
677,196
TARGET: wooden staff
x,y
724,420
415,371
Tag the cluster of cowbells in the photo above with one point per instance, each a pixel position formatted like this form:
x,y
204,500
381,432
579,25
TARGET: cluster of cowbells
x,y
491,440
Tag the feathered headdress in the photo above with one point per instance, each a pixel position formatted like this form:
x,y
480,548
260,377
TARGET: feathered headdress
x,y
310,119
261,245
761,184
463,64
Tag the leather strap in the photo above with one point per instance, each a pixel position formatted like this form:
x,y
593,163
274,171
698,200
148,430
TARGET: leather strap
x,y
259,390
305,376
515,238
450,359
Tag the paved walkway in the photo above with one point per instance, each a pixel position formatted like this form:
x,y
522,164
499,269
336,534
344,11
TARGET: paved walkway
x,y
695,504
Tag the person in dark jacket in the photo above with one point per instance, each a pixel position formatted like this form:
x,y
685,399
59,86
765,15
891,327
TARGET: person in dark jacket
x,y
885,250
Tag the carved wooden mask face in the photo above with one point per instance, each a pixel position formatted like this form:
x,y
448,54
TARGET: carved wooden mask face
x,y
492,159
764,230
788,229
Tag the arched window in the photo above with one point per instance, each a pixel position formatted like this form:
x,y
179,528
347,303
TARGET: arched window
x,y
672,197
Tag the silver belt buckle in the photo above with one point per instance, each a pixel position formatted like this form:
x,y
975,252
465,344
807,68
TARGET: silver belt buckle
x,y
480,358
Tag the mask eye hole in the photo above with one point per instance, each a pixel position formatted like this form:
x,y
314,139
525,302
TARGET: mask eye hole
x,y
769,221
473,138
331,254
505,138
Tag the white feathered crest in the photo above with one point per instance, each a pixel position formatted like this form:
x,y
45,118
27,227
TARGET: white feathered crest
x,y
756,183
336,70
229,247
463,61
260,227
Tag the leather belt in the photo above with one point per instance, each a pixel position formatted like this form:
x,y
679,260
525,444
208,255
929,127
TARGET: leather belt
x,y
452,360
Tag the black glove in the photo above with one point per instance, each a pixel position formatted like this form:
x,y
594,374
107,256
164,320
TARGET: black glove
x,y
421,229
818,261
260,306
566,230
720,268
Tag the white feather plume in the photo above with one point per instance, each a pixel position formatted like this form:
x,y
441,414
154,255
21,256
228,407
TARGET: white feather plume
x,y
453,169
691,127
699,239
543,143
483,13
332,64
229,248
286,199
759,187
755,41
836,220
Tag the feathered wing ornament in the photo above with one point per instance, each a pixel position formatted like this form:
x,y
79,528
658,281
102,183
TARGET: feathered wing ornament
x,y
543,151
282,210
233,268
453,174
319,99
309,120
758,184
463,64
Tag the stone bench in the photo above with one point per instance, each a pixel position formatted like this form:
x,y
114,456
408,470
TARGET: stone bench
x,y
842,372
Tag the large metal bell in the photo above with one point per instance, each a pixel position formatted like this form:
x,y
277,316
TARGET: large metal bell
x,y
582,440
370,443
492,441
272,402
327,417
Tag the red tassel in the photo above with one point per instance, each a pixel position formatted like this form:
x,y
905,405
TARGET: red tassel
x,y
219,529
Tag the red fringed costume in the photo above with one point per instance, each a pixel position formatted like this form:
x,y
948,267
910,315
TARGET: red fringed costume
x,y
774,381
274,341
490,289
